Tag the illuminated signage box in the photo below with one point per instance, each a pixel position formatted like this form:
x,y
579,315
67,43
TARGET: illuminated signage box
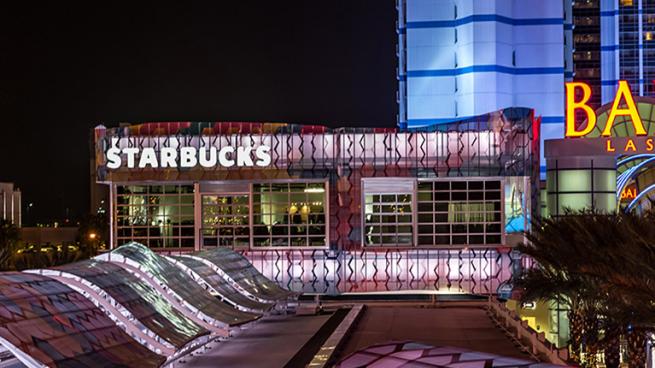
x,y
173,155
622,106
604,160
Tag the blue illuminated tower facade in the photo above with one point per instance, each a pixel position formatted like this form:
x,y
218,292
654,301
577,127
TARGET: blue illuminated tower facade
x,y
627,46
462,58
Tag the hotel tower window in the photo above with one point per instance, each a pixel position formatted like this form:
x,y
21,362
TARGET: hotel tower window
x,y
459,212
225,220
160,216
289,215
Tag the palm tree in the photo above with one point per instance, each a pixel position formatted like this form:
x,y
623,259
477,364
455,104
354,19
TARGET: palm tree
x,y
93,233
621,265
547,284
612,345
557,247
600,267
633,282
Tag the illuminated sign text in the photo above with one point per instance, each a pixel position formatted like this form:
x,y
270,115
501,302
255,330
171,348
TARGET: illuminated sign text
x,y
628,193
623,95
187,157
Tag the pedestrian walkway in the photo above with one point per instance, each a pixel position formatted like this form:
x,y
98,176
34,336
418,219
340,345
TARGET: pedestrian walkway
x,y
463,327
271,342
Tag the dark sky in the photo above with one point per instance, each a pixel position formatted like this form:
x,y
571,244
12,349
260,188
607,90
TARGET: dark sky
x,y
66,68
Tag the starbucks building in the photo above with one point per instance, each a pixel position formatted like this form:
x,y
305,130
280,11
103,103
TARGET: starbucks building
x,y
185,186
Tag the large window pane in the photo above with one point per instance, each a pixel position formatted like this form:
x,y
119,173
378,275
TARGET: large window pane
x,y
154,215
290,214
230,215
574,181
573,201
389,223
462,212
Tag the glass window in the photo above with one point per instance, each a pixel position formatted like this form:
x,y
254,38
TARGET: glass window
x,y
604,180
605,202
159,216
388,219
289,214
574,201
574,180
464,212
228,217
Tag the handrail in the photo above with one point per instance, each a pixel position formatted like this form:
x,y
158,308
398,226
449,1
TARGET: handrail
x,y
326,354
537,340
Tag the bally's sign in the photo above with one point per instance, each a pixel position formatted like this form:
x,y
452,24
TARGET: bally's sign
x,y
186,156
623,106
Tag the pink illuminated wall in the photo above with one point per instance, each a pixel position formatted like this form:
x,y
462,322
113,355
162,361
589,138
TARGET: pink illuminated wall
x,y
474,271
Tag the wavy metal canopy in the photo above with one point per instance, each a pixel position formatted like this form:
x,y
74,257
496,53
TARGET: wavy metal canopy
x,y
239,270
44,322
140,299
162,271
220,285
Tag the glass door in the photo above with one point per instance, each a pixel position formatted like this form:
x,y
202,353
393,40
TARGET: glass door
x,y
225,220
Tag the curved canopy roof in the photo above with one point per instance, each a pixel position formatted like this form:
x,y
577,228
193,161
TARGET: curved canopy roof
x,y
241,271
184,286
221,285
61,328
140,299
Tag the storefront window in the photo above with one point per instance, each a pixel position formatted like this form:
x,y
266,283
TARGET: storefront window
x,y
459,212
159,216
289,215
225,220
388,220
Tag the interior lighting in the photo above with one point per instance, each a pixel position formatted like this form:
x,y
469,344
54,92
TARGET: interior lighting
x,y
314,190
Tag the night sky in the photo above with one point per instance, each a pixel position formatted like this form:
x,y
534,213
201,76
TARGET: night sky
x,y
66,68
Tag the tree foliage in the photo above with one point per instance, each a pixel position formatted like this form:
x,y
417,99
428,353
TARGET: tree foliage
x,y
600,267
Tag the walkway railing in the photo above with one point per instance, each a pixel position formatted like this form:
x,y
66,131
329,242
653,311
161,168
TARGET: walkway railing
x,y
326,354
535,341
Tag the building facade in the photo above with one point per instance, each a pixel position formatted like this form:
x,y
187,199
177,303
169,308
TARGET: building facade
x,y
282,186
586,54
627,46
604,173
10,204
463,58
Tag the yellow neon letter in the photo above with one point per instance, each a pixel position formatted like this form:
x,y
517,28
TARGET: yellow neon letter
x,y
609,147
630,145
631,110
572,106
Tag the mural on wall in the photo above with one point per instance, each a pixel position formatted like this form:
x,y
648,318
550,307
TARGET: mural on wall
x,y
517,206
